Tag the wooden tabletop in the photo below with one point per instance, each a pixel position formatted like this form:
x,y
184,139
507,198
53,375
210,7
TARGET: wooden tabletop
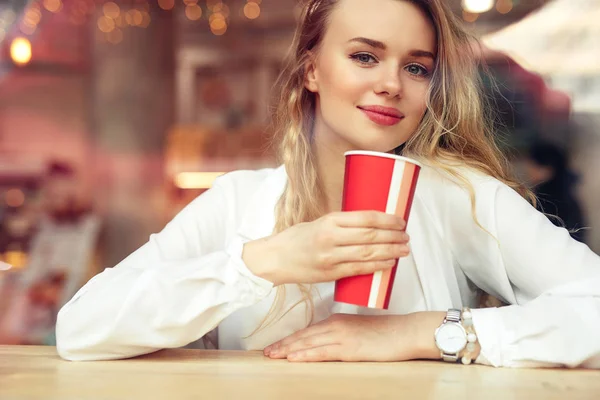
x,y
32,372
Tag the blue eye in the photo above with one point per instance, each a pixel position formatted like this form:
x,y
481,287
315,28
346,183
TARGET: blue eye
x,y
364,58
418,70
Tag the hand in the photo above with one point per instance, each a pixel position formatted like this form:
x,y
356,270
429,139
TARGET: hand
x,y
344,337
332,247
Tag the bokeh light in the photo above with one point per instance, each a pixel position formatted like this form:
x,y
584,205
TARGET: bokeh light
x,y
20,51
166,4
193,12
252,10
477,6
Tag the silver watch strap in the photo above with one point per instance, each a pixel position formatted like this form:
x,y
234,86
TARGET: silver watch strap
x,y
453,315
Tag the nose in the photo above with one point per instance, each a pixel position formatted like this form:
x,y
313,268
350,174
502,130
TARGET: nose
x,y
389,83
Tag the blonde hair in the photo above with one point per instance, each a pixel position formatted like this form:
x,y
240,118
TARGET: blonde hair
x,y
457,128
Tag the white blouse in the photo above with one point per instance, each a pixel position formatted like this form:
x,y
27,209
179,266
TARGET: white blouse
x,y
190,278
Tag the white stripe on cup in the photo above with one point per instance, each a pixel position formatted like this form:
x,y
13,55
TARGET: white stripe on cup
x,y
390,208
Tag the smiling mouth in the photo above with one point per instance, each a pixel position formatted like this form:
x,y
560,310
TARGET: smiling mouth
x,y
383,115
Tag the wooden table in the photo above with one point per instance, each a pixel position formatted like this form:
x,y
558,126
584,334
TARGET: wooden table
x,y
31,372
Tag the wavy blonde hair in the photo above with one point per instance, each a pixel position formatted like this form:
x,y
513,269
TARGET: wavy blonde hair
x,y
457,128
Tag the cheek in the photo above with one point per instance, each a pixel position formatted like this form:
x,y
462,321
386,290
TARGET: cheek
x,y
339,81
418,99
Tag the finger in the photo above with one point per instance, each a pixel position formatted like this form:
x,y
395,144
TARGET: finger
x,y
369,252
305,343
358,236
343,270
318,328
332,352
368,219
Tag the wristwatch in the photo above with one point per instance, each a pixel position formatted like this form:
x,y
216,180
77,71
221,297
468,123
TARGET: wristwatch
x,y
451,336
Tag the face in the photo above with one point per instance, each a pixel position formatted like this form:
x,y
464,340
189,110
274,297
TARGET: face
x,y
371,74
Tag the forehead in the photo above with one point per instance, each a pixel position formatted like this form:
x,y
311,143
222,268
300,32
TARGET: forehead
x,y
398,23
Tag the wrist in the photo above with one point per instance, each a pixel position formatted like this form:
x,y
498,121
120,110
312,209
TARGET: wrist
x,y
253,256
426,323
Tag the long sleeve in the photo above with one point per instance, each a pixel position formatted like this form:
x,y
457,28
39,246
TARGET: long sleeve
x,y
173,290
551,280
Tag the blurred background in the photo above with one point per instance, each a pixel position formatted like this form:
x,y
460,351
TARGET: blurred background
x,y
115,114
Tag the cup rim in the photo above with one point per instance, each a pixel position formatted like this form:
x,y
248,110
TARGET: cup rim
x,y
380,154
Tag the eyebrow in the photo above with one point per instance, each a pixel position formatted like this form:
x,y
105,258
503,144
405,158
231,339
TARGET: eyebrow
x,y
380,45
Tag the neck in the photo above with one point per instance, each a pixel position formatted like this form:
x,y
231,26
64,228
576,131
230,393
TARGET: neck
x,y
330,163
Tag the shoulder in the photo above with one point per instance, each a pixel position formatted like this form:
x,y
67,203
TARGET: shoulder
x,y
238,189
457,185
212,217
243,181
464,199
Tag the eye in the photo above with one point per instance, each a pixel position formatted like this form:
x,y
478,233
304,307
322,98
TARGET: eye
x,y
364,58
417,69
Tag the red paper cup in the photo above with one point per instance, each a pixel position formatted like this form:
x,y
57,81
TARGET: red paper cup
x,y
381,182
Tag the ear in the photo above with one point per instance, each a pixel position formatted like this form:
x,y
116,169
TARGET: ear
x,y
311,74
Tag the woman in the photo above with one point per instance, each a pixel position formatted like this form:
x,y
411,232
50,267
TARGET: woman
x,y
256,255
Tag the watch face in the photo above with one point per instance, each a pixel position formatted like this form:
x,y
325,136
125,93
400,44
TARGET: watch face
x,y
451,338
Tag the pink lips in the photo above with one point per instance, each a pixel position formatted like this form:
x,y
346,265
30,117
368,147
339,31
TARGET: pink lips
x,y
386,116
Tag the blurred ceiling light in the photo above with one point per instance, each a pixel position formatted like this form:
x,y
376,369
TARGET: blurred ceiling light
x,y
146,19
32,17
28,29
219,28
222,8
469,17
193,12
219,32
120,21
14,197
166,4
53,5
477,6
196,180
111,9
4,266
504,6
216,16
106,24
20,51
210,4
134,17
115,37
252,10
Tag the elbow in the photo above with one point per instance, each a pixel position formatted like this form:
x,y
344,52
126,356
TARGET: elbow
x,y
79,339
69,344
75,338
